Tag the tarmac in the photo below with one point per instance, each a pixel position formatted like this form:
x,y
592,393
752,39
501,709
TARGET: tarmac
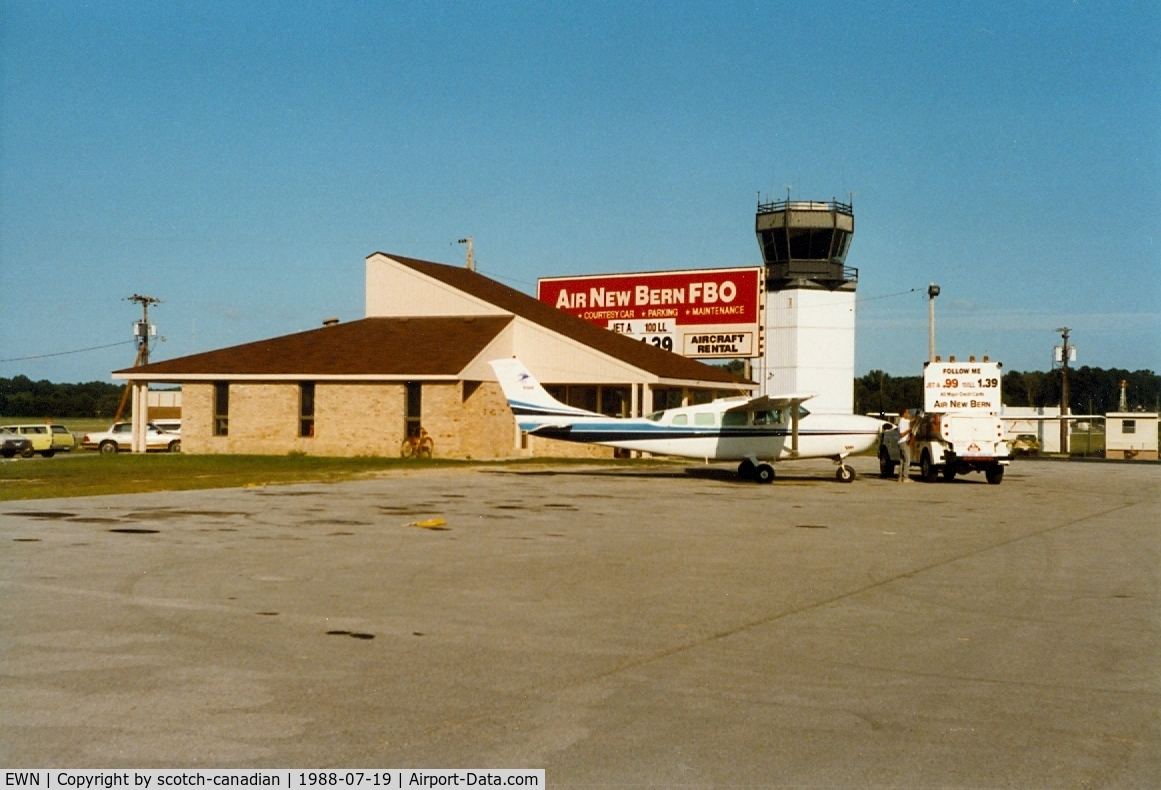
x,y
663,626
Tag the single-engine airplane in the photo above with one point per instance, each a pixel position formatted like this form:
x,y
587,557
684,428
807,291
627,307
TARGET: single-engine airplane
x,y
750,430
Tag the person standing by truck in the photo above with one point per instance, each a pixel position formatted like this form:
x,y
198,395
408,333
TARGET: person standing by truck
x,y
905,446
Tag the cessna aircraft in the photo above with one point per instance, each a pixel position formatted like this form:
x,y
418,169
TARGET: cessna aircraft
x,y
752,430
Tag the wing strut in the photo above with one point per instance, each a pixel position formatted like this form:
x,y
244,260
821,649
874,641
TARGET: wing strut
x,y
794,428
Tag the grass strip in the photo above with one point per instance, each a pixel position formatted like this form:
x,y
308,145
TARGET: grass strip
x,y
90,474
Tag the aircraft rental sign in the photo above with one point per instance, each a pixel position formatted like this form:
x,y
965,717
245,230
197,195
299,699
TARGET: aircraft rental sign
x,y
962,387
700,313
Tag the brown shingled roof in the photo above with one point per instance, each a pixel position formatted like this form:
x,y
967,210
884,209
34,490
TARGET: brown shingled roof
x,y
371,346
658,361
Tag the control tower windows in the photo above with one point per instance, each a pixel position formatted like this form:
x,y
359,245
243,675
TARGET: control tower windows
x,y
842,240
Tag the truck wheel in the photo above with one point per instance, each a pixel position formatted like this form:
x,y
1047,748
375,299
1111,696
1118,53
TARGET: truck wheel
x,y
764,473
949,473
27,453
108,447
927,470
845,474
48,453
8,453
746,470
995,474
886,465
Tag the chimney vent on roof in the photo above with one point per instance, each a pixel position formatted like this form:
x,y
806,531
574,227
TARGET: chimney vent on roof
x,y
330,321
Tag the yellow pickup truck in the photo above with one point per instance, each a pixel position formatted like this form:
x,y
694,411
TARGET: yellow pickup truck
x,y
48,439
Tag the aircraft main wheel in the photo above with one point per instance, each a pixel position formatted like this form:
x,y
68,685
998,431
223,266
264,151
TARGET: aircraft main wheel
x,y
746,470
927,470
844,474
995,474
886,465
764,473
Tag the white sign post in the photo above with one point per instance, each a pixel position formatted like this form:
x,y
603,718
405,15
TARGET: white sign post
x,y
972,387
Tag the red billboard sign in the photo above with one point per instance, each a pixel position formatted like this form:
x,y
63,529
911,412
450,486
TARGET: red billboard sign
x,y
704,313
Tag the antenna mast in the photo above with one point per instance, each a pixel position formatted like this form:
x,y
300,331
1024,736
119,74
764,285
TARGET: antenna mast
x,y
471,260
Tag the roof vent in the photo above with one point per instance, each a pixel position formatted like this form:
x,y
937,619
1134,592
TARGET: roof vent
x,y
330,321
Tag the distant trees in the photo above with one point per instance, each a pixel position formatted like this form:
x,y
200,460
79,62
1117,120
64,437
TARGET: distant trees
x,y
1091,390
23,397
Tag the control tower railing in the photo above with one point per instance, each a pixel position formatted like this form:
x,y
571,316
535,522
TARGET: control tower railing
x,y
805,205
821,271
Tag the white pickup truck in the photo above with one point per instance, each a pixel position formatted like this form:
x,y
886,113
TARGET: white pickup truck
x,y
950,445
959,430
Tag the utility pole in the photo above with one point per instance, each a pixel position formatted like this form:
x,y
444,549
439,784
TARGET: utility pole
x,y
932,292
142,330
471,260
1064,410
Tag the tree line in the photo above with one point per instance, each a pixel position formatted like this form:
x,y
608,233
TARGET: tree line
x,y
22,397
1090,390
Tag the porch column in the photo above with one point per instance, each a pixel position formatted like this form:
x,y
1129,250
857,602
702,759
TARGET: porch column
x,y
140,403
634,403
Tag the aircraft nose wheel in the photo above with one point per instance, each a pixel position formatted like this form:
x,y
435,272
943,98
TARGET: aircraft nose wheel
x,y
764,473
845,474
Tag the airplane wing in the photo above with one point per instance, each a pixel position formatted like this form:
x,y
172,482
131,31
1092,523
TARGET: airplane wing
x,y
770,402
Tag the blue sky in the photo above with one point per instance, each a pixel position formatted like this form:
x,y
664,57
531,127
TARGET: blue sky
x,y
239,161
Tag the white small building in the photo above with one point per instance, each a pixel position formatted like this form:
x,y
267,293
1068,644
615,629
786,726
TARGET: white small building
x,y
1043,422
1131,435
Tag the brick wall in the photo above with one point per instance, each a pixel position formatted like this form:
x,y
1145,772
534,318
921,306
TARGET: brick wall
x,y
364,419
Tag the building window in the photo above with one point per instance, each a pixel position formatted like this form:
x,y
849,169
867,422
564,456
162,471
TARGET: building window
x,y
582,397
221,408
1128,426
306,408
665,399
414,408
616,401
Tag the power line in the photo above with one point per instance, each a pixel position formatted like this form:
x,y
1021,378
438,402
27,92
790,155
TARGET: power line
x,y
63,353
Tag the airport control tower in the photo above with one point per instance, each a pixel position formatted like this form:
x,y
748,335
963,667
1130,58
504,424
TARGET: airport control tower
x,y
810,302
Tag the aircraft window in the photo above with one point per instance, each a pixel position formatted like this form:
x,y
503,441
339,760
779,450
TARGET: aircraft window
x,y
734,418
802,412
681,419
705,418
656,416
773,417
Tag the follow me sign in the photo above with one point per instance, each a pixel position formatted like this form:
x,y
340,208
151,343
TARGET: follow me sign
x,y
962,387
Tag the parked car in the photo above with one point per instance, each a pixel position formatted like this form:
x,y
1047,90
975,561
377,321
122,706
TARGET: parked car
x,y
120,437
12,443
1026,444
169,426
48,439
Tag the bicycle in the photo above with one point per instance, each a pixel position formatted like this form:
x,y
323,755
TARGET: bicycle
x,y
418,446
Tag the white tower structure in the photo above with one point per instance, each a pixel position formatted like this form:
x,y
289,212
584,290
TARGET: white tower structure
x,y
810,302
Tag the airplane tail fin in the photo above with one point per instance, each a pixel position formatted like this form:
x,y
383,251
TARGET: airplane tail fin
x,y
529,401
